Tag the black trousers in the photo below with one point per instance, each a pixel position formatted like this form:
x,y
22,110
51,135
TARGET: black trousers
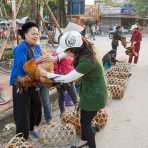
x,y
114,47
86,129
26,110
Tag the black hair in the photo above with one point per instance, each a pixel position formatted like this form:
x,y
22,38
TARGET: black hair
x,y
25,28
85,50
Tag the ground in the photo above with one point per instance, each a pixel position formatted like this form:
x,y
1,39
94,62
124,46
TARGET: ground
x,y
127,125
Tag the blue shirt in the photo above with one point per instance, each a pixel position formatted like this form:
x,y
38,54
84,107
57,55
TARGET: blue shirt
x,y
20,55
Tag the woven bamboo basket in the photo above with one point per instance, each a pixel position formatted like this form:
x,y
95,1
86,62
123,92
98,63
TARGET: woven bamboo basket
x,y
123,65
115,74
57,134
116,81
99,120
117,91
18,142
72,118
120,69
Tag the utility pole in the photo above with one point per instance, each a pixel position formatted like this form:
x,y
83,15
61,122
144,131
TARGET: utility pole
x,y
13,3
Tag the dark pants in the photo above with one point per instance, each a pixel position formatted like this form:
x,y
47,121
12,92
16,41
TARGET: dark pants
x,y
114,47
86,129
71,91
26,109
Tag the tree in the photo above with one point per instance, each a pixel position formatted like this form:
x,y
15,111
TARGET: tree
x,y
141,7
5,8
58,8
33,8
61,13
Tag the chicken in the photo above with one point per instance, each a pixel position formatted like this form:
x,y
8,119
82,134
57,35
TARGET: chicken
x,y
33,68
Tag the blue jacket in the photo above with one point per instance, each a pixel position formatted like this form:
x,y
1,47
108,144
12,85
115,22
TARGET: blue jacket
x,y
20,56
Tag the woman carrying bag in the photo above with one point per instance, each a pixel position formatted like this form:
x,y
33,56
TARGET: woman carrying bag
x,y
93,92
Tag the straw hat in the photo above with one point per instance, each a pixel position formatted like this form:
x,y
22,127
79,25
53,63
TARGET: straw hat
x,y
134,27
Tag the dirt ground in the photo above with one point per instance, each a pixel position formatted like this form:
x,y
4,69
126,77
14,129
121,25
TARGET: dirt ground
x,y
127,125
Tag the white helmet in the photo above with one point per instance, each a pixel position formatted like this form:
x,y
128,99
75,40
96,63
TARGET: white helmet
x,y
69,39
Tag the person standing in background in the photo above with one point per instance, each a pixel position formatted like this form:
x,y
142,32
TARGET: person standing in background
x,y
93,31
117,36
135,42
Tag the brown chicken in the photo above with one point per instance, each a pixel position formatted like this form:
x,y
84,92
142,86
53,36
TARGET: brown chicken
x,y
32,68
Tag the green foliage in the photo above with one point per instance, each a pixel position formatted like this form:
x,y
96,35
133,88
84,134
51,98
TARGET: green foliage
x,y
111,3
5,8
141,7
53,5
30,8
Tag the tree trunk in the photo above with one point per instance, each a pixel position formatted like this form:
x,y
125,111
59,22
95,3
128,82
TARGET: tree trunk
x,y
33,13
61,12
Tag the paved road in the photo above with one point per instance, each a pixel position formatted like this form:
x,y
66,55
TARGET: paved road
x,y
128,118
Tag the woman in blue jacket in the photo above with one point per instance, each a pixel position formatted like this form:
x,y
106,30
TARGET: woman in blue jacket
x,y
26,102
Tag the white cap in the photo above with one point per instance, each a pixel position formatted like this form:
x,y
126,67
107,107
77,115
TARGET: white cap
x,y
134,27
69,39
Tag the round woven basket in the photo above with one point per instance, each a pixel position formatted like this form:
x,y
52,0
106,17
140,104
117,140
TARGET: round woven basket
x,y
57,134
116,81
99,120
117,91
18,142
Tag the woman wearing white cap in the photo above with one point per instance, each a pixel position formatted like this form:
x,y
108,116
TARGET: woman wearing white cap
x,y
93,92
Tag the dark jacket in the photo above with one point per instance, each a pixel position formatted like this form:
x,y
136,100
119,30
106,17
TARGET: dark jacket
x,y
116,37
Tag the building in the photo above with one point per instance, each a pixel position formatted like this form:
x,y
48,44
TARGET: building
x,y
120,1
75,7
125,16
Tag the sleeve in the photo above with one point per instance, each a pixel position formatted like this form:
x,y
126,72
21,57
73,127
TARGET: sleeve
x,y
19,59
85,65
39,51
61,56
73,75
52,75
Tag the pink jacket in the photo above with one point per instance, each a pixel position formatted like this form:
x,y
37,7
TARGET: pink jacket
x,y
64,66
